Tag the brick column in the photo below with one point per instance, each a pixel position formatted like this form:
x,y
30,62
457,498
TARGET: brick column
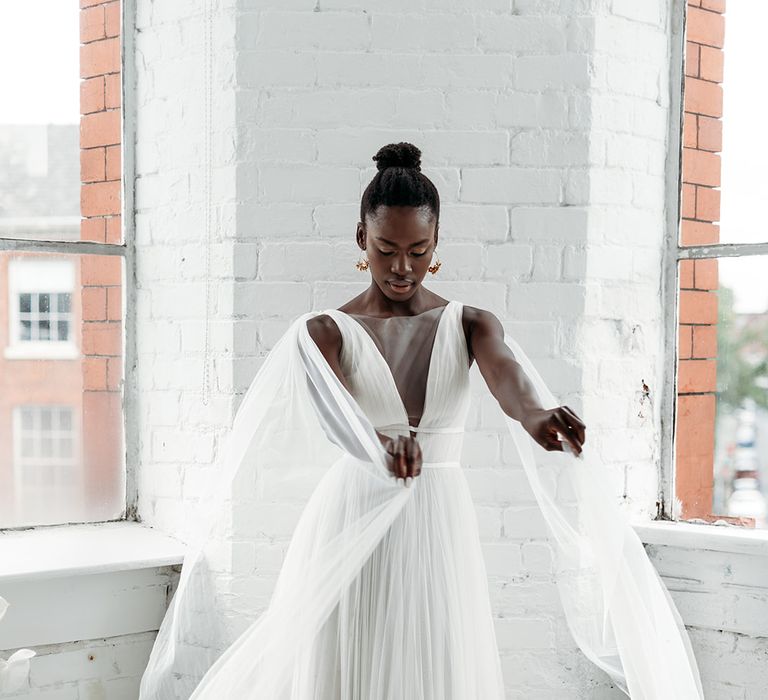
x,y
101,277
702,142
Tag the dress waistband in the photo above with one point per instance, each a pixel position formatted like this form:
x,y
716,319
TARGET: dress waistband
x,y
419,429
441,465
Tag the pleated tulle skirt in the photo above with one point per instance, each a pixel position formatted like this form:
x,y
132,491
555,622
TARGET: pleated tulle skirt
x,y
416,621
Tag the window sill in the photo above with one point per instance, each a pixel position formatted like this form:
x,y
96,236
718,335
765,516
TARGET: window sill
x,y
714,538
89,581
67,550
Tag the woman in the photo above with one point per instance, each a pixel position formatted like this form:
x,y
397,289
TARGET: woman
x,y
383,592
438,638
399,217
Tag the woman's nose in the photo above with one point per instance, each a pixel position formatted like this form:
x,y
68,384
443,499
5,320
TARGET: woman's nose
x,y
401,265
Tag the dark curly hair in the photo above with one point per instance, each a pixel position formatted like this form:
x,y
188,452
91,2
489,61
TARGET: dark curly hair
x,y
399,182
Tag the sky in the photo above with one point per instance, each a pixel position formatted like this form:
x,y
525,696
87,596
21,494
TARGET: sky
x,y
43,87
745,153
39,62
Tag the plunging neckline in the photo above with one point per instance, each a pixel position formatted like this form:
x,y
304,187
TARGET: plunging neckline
x,y
390,374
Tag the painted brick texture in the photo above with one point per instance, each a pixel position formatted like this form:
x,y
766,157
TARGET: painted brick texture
x,y
86,670
547,171
545,130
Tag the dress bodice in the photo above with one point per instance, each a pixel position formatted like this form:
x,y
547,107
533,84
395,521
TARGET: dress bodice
x,y
372,382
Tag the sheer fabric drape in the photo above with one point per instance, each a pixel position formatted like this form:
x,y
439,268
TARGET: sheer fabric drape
x,y
617,608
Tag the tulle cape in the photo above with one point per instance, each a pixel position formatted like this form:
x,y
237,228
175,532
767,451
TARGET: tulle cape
x,y
215,643
14,671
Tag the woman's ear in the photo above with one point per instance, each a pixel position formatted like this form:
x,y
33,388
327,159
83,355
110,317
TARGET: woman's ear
x,y
360,236
436,227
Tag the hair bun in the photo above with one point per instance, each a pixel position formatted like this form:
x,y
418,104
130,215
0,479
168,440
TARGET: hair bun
x,y
398,155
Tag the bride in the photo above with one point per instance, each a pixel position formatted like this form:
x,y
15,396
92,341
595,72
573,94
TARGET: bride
x,y
383,593
417,621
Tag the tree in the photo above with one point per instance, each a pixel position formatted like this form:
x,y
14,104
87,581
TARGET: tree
x,y
742,354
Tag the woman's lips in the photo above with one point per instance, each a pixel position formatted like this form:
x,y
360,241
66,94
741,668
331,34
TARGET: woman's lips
x,y
400,286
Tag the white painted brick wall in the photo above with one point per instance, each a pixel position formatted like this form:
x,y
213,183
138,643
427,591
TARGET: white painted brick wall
x,y
542,122
100,669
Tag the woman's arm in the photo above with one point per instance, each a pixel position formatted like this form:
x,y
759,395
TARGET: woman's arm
x,y
327,336
405,451
513,389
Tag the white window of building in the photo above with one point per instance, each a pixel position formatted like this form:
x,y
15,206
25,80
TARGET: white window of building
x,y
45,447
40,309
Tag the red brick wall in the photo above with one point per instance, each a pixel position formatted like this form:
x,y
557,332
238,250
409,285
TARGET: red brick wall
x,y
100,168
697,346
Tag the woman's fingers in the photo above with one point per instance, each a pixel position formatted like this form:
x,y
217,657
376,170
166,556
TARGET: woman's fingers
x,y
550,442
575,417
567,431
406,458
576,422
413,452
417,457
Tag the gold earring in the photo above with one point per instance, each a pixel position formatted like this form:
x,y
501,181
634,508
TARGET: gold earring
x,y
434,268
362,265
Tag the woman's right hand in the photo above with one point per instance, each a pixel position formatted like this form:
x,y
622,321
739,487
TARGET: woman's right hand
x,y
403,456
546,425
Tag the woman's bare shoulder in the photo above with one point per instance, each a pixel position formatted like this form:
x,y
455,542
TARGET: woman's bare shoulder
x,y
477,323
475,318
324,331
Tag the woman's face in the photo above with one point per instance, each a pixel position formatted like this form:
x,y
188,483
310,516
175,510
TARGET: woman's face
x,y
399,242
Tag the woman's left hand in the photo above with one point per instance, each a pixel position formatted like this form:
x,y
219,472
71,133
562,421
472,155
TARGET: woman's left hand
x,y
543,425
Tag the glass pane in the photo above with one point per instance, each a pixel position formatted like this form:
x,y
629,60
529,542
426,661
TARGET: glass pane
x,y
25,303
27,420
741,424
27,447
61,422
44,303
65,447
39,121
46,446
744,107
44,330
65,420
723,147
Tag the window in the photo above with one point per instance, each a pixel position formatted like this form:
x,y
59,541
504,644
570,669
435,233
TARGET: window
x,y
44,439
40,308
721,260
44,317
45,449
62,265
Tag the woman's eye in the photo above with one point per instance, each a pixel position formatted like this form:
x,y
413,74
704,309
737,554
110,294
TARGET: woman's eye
x,y
392,252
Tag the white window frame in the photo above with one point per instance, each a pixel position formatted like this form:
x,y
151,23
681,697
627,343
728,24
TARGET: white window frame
x,y
125,250
667,505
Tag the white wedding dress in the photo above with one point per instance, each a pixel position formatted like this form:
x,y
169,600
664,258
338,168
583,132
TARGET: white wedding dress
x,y
416,622
382,593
